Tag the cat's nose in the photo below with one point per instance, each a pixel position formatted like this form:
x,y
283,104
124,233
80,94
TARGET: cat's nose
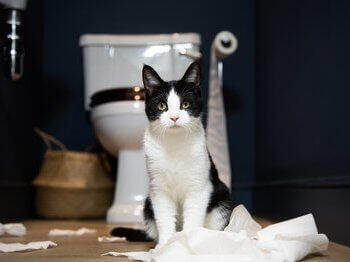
x,y
174,119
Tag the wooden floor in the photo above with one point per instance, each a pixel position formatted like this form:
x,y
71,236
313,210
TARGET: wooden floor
x,y
86,248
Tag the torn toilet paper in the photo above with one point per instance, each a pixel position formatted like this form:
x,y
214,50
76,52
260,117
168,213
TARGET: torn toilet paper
x,y
241,220
111,239
13,247
15,229
242,240
66,232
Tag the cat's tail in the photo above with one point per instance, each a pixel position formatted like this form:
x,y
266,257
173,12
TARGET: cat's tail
x,y
135,235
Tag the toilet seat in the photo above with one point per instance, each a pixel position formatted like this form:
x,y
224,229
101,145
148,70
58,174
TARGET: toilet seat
x,y
126,101
117,94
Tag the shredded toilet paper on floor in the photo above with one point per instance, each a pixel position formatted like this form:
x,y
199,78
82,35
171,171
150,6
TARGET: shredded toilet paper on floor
x,y
15,229
242,240
66,232
14,247
111,239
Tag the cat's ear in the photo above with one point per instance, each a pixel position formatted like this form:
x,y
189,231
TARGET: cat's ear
x,y
193,74
151,79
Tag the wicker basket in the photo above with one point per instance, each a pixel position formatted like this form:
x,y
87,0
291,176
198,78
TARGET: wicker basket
x,y
72,184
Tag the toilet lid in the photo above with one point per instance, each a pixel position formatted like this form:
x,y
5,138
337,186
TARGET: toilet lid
x,y
117,94
139,40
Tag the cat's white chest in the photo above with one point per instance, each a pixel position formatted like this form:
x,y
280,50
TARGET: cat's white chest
x,y
177,166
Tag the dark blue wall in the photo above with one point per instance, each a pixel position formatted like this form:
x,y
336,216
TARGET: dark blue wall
x,y
19,112
302,112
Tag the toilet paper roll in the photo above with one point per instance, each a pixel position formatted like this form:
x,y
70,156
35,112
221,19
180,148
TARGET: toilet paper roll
x,y
225,44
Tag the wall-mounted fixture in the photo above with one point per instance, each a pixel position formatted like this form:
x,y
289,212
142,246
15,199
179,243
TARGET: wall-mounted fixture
x,y
13,47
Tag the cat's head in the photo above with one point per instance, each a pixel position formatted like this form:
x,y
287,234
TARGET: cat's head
x,y
173,105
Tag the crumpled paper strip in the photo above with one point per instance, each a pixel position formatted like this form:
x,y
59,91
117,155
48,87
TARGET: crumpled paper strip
x,y
242,240
143,256
14,229
304,225
14,247
111,239
241,219
66,232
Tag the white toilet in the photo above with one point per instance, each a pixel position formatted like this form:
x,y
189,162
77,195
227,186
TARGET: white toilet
x,y
114,96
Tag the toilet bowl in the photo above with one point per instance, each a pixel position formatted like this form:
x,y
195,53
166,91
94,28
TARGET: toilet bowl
x,y
119,127
114,96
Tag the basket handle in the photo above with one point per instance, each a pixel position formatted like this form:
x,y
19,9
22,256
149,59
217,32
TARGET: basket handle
x,y
104,162
49,140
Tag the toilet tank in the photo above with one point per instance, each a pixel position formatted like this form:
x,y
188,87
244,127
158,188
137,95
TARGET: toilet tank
x,y
115,61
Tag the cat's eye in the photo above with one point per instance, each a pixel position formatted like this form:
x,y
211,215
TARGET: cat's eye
x,y
185,105
162,106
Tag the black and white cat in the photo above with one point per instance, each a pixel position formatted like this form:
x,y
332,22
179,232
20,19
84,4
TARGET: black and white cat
x,y
184,191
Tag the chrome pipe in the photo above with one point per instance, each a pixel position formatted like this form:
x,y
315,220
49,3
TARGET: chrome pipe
x,y
13,44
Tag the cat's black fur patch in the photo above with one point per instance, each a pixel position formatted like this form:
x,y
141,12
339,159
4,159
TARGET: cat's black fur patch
x,y
220,197
148,212
157,90
131,234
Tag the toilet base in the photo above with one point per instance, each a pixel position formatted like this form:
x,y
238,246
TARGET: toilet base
x,y
131,188
125,214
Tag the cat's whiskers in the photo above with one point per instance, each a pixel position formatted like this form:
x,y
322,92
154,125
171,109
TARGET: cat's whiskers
x,y
189,130
161,131
157,131
193,126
